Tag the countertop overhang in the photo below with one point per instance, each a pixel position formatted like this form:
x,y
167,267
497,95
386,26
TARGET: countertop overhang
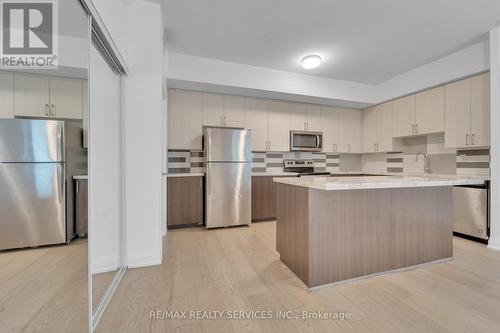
x,y
375,182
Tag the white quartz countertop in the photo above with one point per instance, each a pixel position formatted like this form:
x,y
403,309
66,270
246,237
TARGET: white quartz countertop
x,y
275,174
80,177
194,174
373,182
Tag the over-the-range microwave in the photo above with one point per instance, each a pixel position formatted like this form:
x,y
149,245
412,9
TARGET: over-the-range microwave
x,y
306,141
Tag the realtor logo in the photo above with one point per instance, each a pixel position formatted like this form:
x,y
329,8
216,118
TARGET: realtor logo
x,y
29,36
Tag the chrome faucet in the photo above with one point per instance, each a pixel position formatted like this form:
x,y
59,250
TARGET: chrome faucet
x,y
426,165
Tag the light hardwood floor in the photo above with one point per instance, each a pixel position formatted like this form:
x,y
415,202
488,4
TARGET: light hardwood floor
x,y
238,269
44,289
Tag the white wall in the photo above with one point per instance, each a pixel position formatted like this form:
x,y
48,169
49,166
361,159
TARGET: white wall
x,y
184,68
471,60
73,52
374,163
143,135
188,72
165,139
494,241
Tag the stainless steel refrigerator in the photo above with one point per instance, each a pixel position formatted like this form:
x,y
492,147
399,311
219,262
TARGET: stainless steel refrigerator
x,y
228,180
38,159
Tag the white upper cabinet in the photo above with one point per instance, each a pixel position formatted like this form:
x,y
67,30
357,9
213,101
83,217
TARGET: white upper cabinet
x,y
385,140
369,130
43,97
331,129
256,120
31,96
278,125
66,98
351,120
404,117
213,109
377,129
419,114
457,114
185,120
467,112
313,118
233,111
6,95
480,110
298,117
429,109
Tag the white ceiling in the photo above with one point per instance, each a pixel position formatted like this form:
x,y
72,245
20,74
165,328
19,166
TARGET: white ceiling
x,y
366,41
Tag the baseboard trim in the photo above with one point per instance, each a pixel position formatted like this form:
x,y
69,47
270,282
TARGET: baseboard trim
x,y
144,259
105,264
392,271
494,244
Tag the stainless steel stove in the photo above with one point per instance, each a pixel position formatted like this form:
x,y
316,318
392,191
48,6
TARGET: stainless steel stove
x,y
303,167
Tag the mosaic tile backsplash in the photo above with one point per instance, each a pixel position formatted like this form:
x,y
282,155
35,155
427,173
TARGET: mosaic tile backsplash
x,y
468,161
186,161
273,161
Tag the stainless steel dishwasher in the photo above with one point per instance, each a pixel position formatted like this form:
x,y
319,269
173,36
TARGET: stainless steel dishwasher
x,y
471,211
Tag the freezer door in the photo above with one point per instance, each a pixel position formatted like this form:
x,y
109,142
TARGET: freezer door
x,y
25,140
32,210
228,194
470,211
227,144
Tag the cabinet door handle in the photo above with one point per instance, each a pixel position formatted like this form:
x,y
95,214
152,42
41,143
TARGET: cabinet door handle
x,y
412,128
473,136
374,145
466,139
47,110
416,128
52,110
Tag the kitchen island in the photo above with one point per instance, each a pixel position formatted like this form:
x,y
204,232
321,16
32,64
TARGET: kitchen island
x,y
333,229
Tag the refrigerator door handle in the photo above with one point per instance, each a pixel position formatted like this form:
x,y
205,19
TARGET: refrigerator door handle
x,y
52,110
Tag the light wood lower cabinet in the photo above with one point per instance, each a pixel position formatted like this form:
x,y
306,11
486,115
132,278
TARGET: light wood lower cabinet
x,y
184,200
81,207
263,198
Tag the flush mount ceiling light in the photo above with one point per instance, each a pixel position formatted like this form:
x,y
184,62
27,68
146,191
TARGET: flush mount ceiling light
x,y
311,61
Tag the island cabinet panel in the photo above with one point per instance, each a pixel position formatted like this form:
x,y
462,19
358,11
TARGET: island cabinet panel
x,y
292,237
330,236
422,235
184,201
349,234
